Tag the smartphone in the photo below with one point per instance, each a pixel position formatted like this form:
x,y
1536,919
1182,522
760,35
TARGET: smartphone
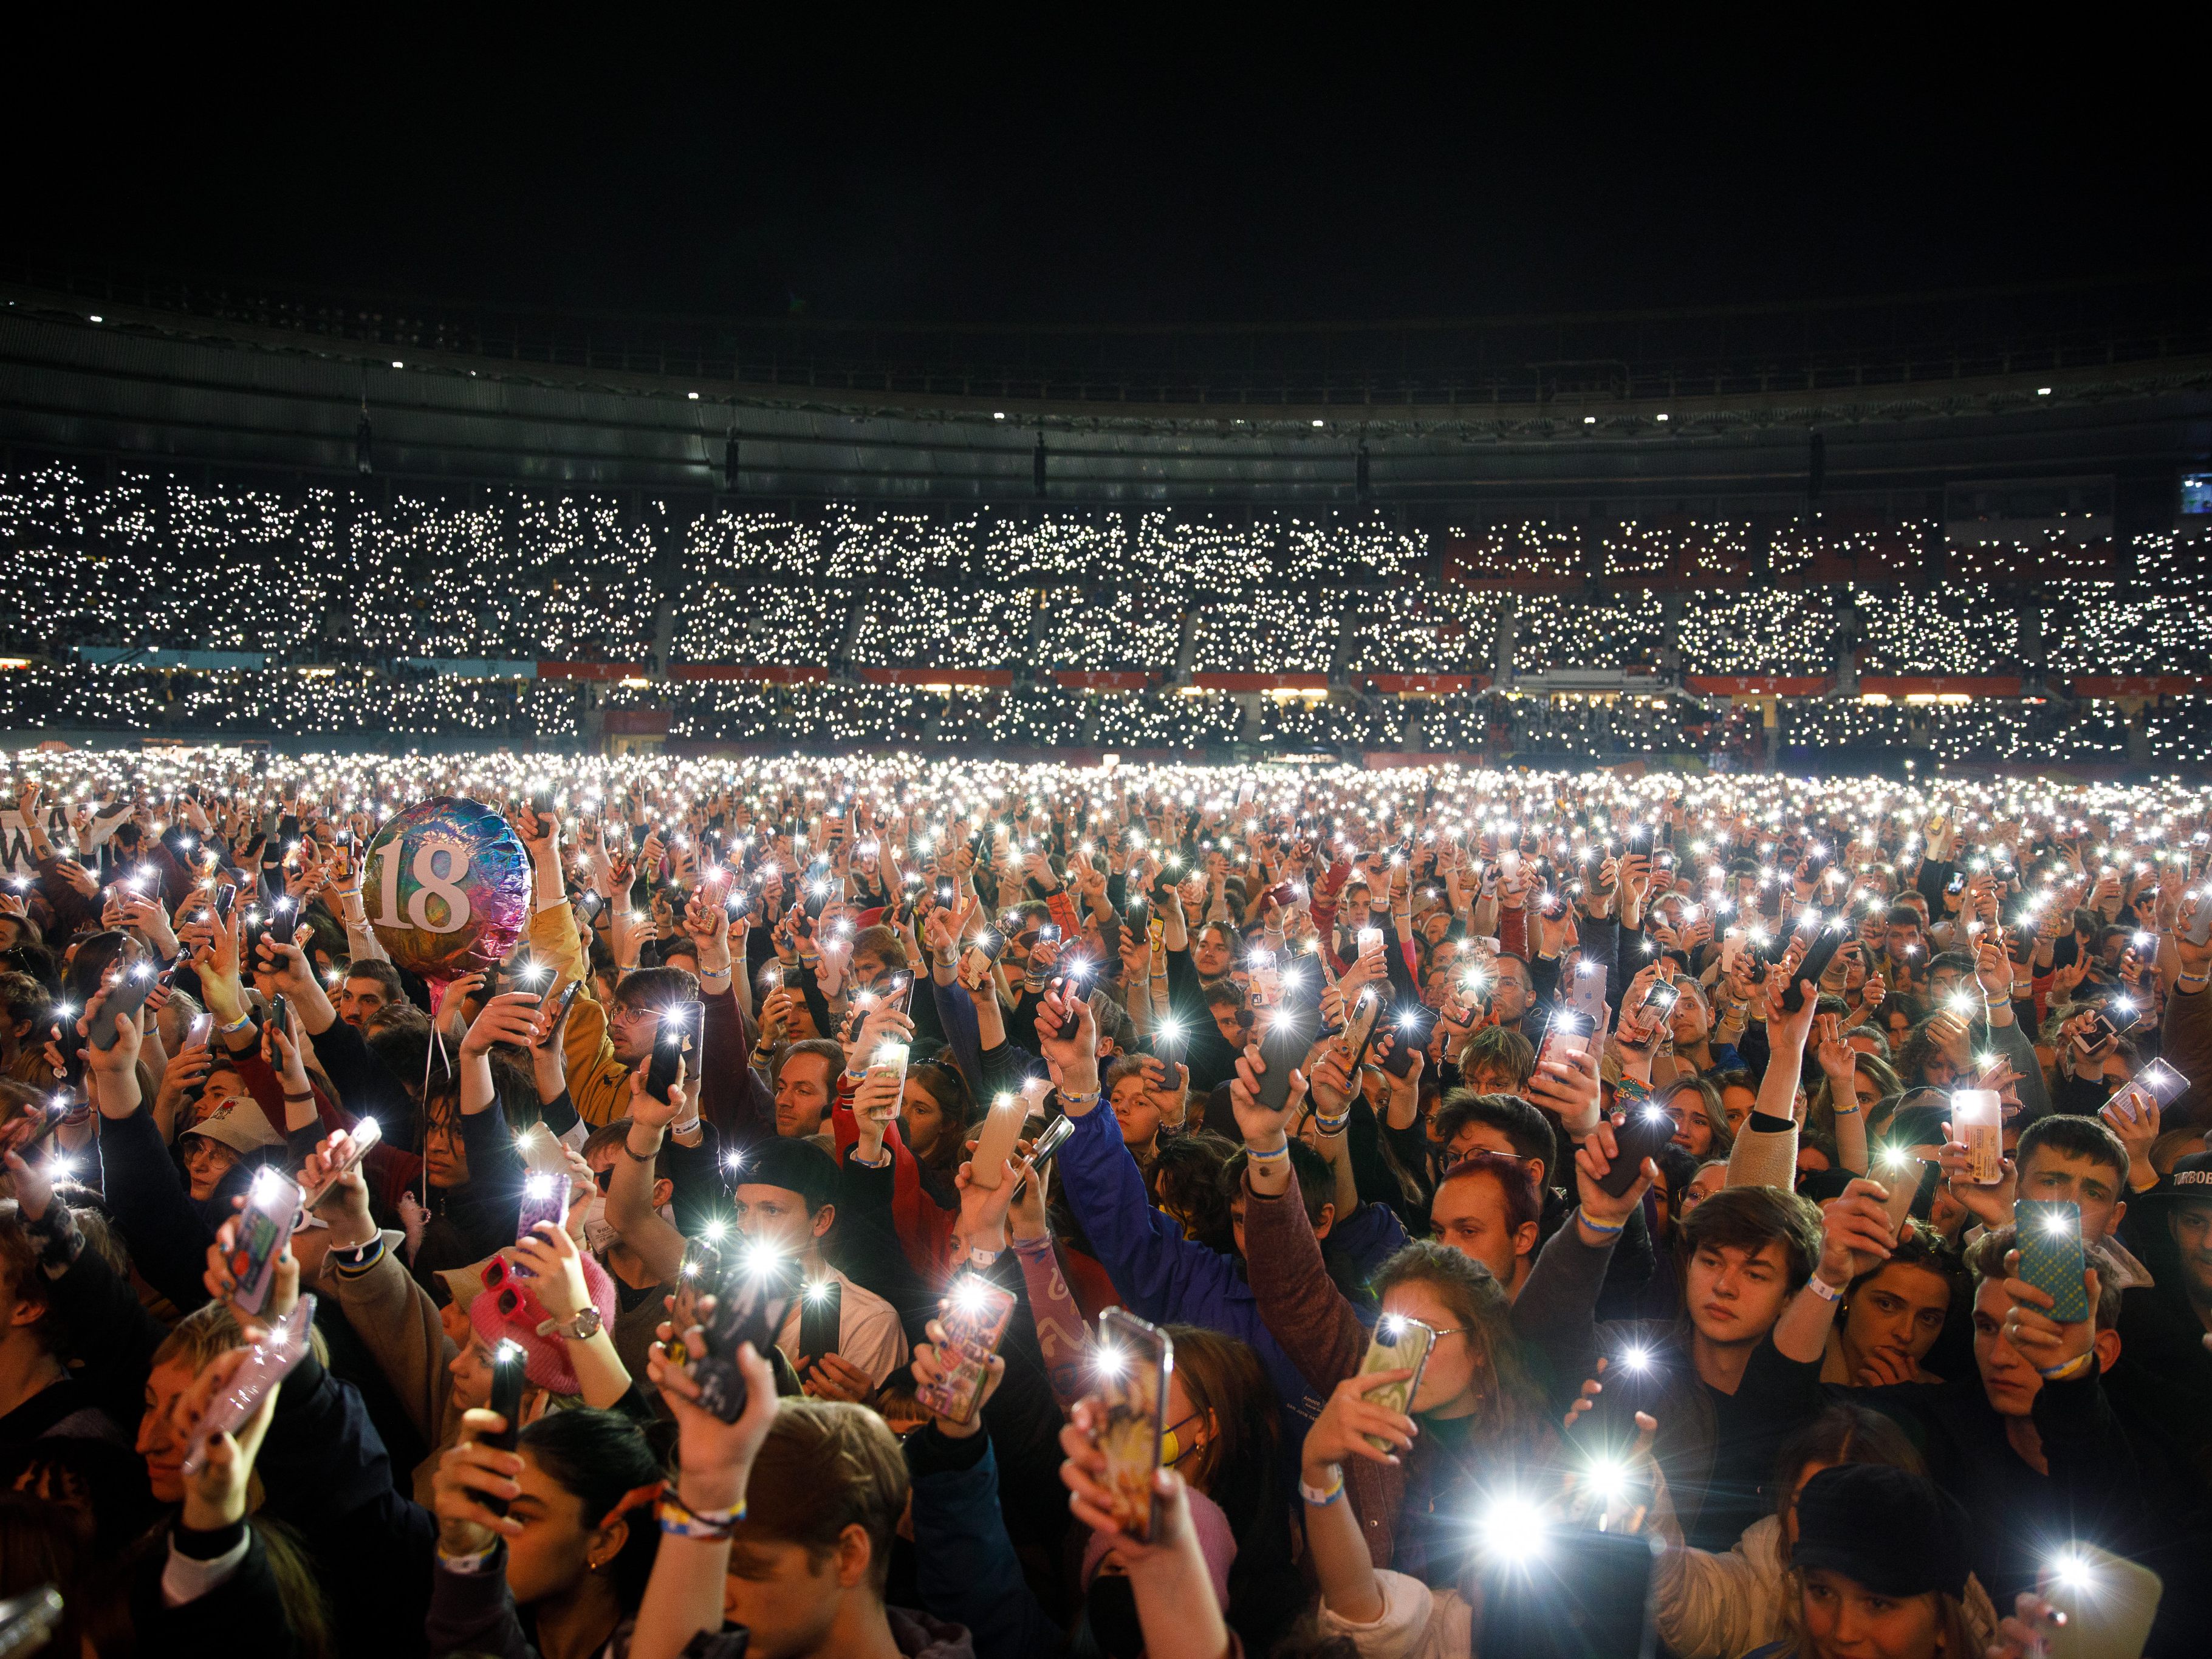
x,y
545,1198
561,997
1135,1360
2160,1081
267,1363
1509,866
225,897
1659,1001
360,1140
28,1621
1638,1135
1592,1597
508,1363
751,1296
821,1317
125,995
279,1015
1411,1029
1822,951
2200,924
670,1048
899,995
1283,1045
981,956
1399,1344
1586,992
2110,1603
1358,1034
994,1142
1567,1036
2050,1254
1140,916
272,1205
1043,1148
975,1319
1957,884
1042,955
1263,990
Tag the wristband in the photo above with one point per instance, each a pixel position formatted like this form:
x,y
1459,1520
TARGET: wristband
x,y
882,1159
1821,1288
2077,1366
678,1520
472,1563
1322,1497
1255,1156
1835,1111
2192,981
1582,1216
980,1257
235,1026
1329,1125
637,1157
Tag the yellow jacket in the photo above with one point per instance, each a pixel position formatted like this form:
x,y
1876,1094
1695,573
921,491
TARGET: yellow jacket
x,y
598,1083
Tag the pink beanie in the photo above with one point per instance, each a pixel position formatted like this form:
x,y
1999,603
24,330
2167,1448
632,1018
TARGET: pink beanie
x,y
547,1365
1215,1541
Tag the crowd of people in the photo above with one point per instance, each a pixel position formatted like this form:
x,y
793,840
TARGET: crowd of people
x,y
1430,1213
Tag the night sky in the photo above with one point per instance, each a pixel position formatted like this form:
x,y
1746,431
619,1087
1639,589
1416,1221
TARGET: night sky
x,y
1143,176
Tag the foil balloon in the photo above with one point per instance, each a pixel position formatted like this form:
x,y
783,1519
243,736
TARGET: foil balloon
x,y
447,886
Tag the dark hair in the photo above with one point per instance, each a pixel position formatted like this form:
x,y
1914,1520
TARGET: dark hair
x,y
797,1165
1709,1107
948,1089
1223,993
383,973
1186,1173
399,1034
1944,960
1317,1181
1523,1204
654,987
1840,1434
1985,1259
1527,1129
97,954
825,1466
2075,1136
1902,915
602,1458
1749,1219
883,942
1918,1245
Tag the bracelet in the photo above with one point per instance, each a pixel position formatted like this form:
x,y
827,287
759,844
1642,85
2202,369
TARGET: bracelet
x,y
293,1100
1329,1125
1821,1288
2193,982
2073,1368
980,1257
636,1156
679,1520
236,1025
1835,1111
1256,1156
1598,1226
1322,1497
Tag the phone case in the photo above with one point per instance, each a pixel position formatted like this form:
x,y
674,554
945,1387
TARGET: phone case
x,y
268,1363
1359,1028
363,1136
509,1373
671,1048
2050,1255
1282,1046
1042,955
2110,1603
126,996
975,1317
1586,992
1648,1129
994,1142
545,1198
1818,955
749,1305
1134,1392
272,1206
1412,1034
1398,1342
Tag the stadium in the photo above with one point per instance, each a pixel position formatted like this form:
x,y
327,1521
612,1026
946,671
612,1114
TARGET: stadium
x,y
1749,537
845,852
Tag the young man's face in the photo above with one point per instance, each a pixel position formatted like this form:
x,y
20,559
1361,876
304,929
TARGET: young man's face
x,y
1224,1021
869,970
1476,1136
803,1095
632,1031
1902,940
786,1601
1736,1295
1469,1214
2051,1174
1211,952
778,1217
1509,1000
2010,1382
360,997
1136,1111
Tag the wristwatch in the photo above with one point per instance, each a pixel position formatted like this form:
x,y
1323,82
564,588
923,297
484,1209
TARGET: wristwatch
x,y
583,1327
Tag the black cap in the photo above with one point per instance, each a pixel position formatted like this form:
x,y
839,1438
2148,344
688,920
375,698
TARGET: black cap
x,y
1892,1531
796,1165
2190,1183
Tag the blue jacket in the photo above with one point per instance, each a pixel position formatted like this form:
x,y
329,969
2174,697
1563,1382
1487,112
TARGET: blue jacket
x,y
1161,1275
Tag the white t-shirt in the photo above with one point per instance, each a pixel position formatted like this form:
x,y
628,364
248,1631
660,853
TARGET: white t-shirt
x,y
869,1336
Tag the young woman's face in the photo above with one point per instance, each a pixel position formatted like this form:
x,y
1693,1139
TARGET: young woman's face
x,y
1693,1133
1900,1309
472,1373
159,1443
921,1119
1845,1619
557,1544
1453,1373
